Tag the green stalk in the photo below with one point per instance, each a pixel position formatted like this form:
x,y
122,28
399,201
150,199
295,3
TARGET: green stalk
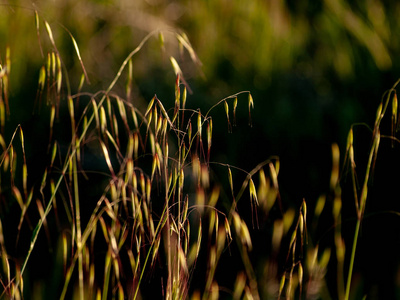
x,y
363,199
78,228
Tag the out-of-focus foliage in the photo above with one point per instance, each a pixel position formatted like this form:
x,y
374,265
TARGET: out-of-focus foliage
x,y
313,67
251,40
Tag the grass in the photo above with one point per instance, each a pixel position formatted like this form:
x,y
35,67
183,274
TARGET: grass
x,y
133,206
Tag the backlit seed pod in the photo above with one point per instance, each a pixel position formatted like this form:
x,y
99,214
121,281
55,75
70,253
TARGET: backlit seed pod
x,y
263,188
129,80
177,92
189,132
199,235
42,78
142,182
182,260
300,273
164,127
103,120
227,116
199,124
53,64
253,192
196,168
25,178
200,199
2,142
48,63
326,255
155,165
378,114
251,105
185,209
349,139
337,207
184,96
121,109
149,107
340,248
17,195
211,223
129,170
113,191
205,176
135,144
230,179
282,284
304,208
96,113
115,123
149,119
159,124
246,235
59,74
212,257
214,291
155,117
240,283
227,228
394,108
234,110
81,82
236,222
226,110
293,239
148,189
288,219
71,113
181,178
209,137
335,166
301,224
134,117
351,156
319,206
161,40
273,175
160,155
129,148
152,144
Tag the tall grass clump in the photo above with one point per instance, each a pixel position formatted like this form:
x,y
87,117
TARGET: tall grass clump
x,y
125,201
124,205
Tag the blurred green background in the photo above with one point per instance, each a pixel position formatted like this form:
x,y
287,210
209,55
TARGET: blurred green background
x,y
313,69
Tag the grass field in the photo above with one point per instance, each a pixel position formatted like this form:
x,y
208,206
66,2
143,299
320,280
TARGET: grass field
x,y
107,192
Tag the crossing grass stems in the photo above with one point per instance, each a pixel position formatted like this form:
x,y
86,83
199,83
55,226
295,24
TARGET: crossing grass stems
x,y
158,156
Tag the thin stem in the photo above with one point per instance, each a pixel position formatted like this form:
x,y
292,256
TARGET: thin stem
x,y
353,254
78,228
364,192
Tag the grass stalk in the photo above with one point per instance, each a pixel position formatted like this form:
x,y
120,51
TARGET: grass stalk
x,y
78,229
371,159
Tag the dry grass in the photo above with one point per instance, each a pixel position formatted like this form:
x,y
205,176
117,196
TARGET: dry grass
x,y
157,216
